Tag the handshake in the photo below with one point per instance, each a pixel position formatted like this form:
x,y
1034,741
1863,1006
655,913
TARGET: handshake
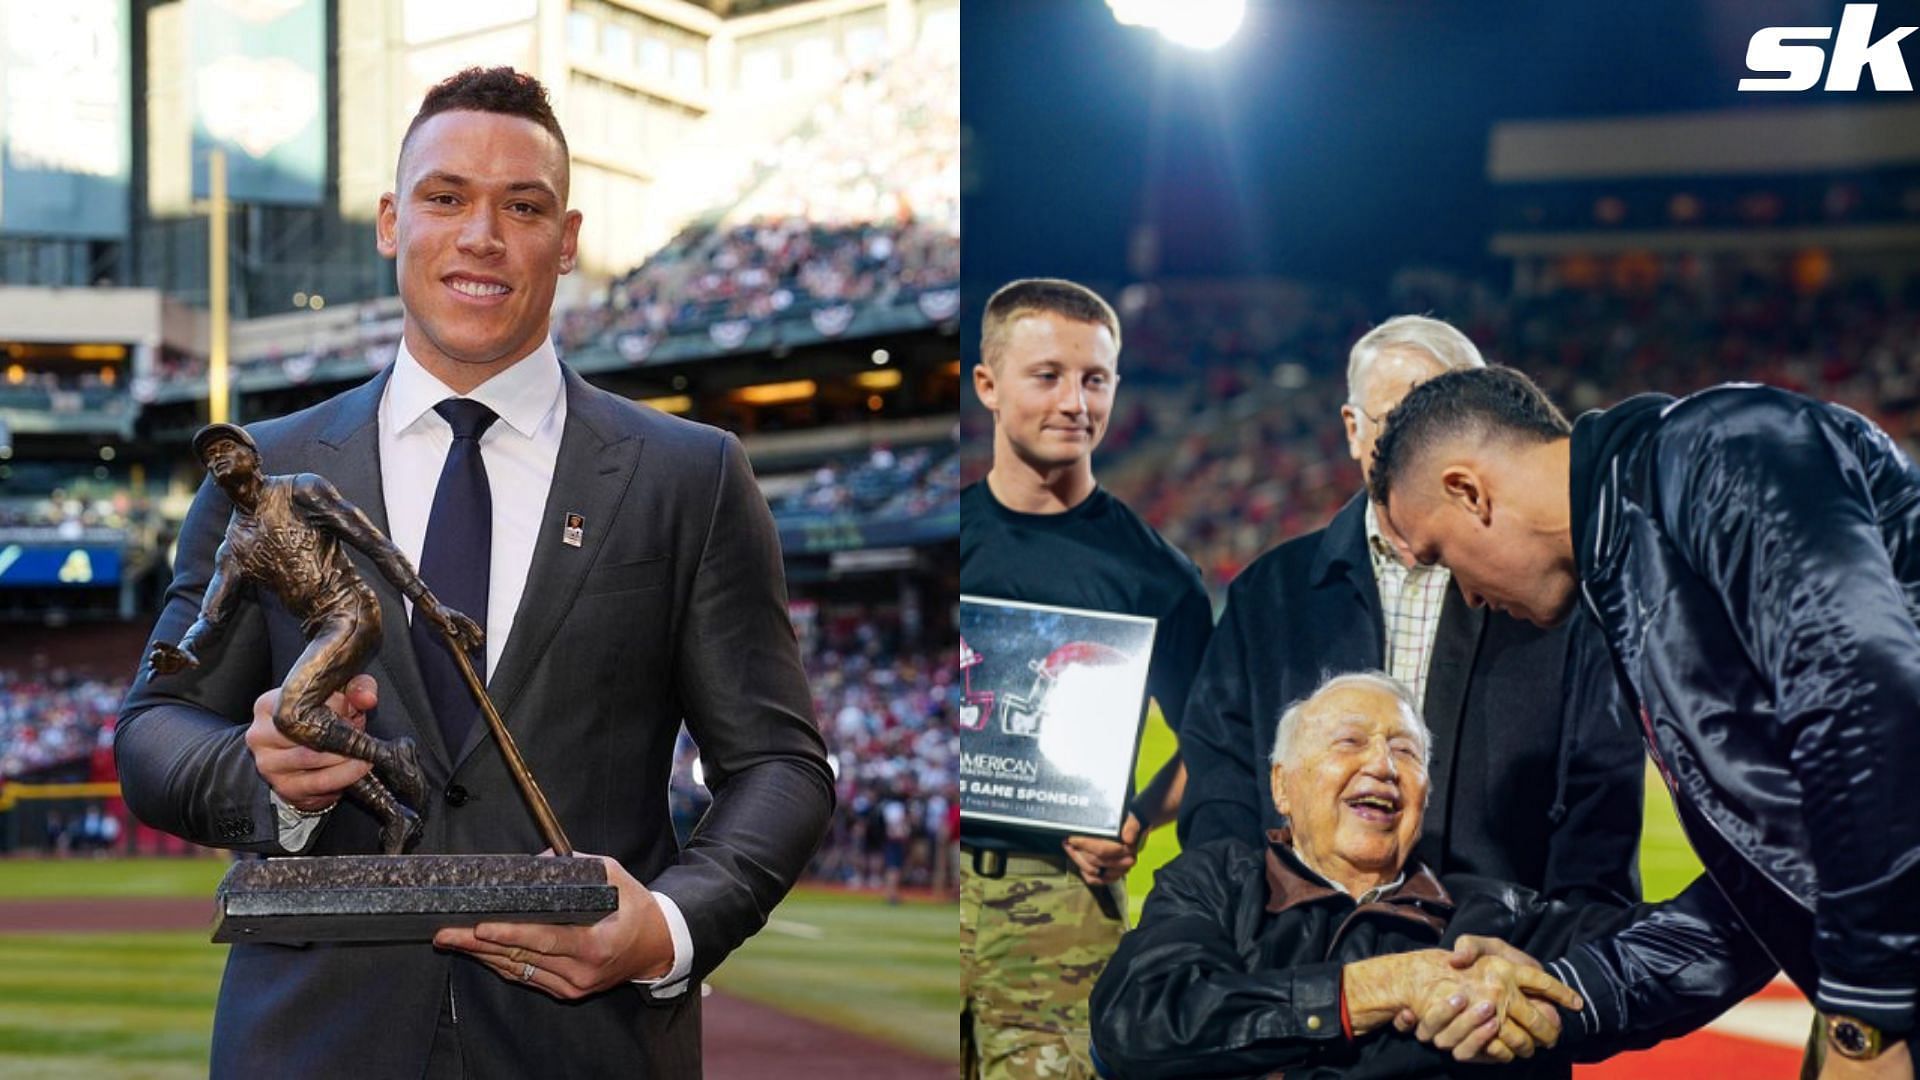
x,y
1485,1001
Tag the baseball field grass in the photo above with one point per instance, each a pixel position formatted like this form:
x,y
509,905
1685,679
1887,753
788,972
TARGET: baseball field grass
x,y
850,961
139,1006
107,1005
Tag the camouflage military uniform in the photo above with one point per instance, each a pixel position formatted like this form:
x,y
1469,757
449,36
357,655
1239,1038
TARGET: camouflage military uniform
x,y
1031,945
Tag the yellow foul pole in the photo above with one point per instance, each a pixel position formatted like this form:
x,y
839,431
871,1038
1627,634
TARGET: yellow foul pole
x,y
217,409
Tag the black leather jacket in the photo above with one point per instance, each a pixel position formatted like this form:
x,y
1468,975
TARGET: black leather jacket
x,y
1753,557
1235,970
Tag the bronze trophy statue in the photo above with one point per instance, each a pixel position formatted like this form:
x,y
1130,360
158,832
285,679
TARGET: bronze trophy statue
x,y
285,536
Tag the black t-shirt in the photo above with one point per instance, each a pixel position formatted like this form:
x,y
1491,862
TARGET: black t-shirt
x,y
1099,556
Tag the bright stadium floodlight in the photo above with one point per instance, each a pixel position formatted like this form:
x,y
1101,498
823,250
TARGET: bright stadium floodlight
x,y
1197,24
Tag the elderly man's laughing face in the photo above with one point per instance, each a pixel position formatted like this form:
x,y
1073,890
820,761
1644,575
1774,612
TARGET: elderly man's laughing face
x,y
1353,785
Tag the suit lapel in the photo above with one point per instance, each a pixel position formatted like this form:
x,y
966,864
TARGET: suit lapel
x,y
1357,630
1456,644
348,455
596,463
1366,597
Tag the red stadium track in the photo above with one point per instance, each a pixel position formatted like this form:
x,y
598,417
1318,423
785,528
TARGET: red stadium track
x,y
1761,1037
741,1040
110,915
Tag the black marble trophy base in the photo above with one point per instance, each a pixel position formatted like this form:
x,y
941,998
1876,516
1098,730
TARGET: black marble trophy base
x,y
403,897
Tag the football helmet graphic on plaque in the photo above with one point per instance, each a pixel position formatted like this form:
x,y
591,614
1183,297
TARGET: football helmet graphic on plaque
x,y
1023,714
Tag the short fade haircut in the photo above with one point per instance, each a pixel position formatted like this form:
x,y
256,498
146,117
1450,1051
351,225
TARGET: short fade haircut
x,y
1484,404
491,90
1441,340
1041,296
1289,728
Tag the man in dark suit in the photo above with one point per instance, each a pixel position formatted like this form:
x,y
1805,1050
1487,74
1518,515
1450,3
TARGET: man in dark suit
x,y
630,578
1523,790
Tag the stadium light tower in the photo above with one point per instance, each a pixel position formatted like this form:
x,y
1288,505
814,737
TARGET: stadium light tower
x,y
1197,24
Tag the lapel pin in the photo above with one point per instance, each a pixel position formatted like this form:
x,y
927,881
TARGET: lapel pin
x,y
575,530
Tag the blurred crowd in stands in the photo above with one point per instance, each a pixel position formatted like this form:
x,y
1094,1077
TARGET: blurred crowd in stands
x,y
57,721
766,268
886,713
70,516
882,145
876,483
883,708
1226,434
858,205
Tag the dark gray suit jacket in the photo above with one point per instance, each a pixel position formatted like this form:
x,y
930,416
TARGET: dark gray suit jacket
x,y
1525,787
673,607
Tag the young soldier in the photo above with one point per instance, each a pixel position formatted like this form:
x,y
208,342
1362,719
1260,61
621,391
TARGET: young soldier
x,y
1034,932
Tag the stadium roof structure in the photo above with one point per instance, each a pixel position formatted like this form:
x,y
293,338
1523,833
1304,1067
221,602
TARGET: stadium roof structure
x,y
1744,141
728,9
1743,180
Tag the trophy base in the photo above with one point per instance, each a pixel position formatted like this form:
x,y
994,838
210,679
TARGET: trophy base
x,y
295,901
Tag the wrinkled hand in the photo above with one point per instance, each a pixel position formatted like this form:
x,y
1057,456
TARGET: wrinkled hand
x,y
1500,1007
1511,1013
571,962
304,778
1468,949
1481,1014
461,629
167,659
1102,861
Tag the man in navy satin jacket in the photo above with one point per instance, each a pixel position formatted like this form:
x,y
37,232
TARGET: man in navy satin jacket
x,y
1753,557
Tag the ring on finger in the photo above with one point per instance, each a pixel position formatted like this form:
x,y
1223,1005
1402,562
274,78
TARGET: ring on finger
x,y
514,957
526,972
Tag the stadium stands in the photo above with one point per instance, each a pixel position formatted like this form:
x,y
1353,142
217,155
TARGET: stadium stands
x,y
885,711
1227,437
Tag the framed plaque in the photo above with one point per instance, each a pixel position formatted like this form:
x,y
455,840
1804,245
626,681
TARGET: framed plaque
x,y
1052,701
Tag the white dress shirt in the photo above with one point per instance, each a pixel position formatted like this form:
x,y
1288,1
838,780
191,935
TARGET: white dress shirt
x,y
519,451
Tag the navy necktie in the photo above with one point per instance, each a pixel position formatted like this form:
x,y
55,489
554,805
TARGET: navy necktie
x,y
454,562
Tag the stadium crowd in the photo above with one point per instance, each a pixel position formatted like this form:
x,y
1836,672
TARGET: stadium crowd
x,y
54,720
886,713
769,267
71,514
877,483
857,205
1228,438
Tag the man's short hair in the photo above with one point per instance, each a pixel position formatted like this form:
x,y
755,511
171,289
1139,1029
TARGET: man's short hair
x,y
1289,727
1483,404
1038,296
492,90
1441,340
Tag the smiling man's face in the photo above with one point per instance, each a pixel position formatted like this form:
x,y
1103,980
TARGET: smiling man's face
x,y
480,233
1355,791
1051,389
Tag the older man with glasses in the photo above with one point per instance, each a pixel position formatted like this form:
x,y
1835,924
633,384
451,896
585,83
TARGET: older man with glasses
x,y
1302,956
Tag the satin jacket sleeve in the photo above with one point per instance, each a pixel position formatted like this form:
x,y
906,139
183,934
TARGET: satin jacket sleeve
x,y
1776,503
